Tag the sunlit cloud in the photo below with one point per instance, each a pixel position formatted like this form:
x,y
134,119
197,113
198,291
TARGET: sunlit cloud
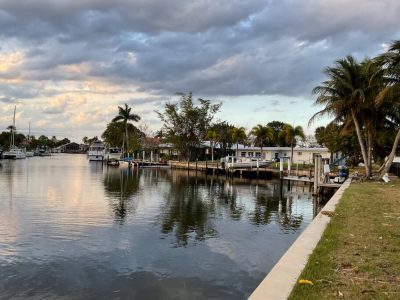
x,y
69,65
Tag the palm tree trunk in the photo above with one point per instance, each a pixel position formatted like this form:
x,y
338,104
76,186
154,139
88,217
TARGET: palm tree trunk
x,y
212,151
369,154
126,135
361,142
123,145
392,154
291,156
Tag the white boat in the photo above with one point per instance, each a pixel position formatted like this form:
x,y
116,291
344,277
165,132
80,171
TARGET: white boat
x,y
113,154
96,151
30,153
232,162
15,152
44,152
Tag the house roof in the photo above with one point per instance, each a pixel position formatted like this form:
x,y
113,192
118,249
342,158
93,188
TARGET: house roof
x,y
243,148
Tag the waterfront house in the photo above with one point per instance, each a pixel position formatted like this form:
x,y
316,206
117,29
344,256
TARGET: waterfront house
x,y
69,148
300,154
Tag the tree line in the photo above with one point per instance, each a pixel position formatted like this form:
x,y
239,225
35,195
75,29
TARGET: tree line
x,y
30,142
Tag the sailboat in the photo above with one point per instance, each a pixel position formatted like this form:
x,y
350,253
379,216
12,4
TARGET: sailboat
x,y
15,152
29,153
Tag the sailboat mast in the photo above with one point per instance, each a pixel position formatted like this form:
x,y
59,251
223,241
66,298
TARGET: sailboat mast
x,y
29,132
12,130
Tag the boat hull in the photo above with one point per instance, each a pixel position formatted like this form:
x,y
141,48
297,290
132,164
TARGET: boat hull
x,y
94,157
14,155
112,156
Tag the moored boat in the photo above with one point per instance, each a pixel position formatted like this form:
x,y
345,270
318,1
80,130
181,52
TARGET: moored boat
x,y
112,154
232,162
14,152
30,153
96,151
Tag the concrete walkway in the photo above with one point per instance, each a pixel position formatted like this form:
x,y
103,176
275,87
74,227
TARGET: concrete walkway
x,y
280,281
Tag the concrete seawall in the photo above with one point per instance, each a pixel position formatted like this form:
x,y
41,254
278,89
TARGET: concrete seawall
x,y
282,278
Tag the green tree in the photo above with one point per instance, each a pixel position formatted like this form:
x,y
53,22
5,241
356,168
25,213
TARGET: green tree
x,y
238,135
225,142
338,139
114,135
43,140
278,139
343,96
262,134
389,97
125,115
213,137
12,129
290,133
185,125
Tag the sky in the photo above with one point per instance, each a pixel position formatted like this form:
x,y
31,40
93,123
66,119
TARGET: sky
x,y
67,64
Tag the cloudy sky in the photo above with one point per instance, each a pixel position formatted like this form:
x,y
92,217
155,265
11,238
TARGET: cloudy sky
x,y
67,65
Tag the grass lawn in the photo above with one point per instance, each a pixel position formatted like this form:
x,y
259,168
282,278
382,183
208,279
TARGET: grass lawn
x,y
358,256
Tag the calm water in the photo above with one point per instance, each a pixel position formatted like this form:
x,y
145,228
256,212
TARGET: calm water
x,y
70,229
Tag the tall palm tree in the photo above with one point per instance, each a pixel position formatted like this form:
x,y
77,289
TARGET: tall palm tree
x,y
213,137
238,135
262,134
290,133
389,97
343,95
125,115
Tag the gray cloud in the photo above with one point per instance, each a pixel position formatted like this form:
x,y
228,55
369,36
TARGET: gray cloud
x,y
214,48
8,99
25,90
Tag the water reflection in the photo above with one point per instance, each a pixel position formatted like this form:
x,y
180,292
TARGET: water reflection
x,y
192,202
79,230
187,210
120,185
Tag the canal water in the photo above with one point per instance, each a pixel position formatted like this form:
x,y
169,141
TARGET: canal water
x,y
73,229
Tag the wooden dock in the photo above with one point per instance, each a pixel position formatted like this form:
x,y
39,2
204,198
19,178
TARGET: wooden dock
x,y
319,178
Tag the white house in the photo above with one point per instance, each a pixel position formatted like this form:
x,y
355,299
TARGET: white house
x,y
300,154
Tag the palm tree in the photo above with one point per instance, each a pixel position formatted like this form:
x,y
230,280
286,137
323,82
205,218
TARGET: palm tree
x,y
262,134
238,135
343,95
125,115
290,133
389,97
213,137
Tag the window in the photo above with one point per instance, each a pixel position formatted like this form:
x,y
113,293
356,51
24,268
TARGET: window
x,y
250,154
243,154
258,154
299,153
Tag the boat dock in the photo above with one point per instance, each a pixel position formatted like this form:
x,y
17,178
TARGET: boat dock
x,y
320,182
